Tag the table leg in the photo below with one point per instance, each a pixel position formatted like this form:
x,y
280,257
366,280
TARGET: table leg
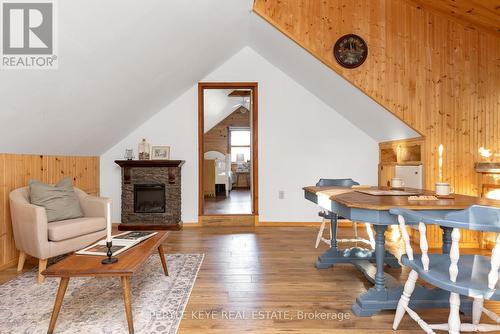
x,y
446,239
351,255
63,284
379,256
128,303
333,227
381,297
163,259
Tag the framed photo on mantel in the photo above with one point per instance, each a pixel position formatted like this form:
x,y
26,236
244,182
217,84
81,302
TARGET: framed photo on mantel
x,y
160,152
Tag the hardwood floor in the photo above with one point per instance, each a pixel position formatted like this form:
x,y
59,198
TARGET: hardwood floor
x,y
238,202
270,270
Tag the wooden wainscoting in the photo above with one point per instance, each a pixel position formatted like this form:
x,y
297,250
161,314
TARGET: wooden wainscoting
x,y
15,172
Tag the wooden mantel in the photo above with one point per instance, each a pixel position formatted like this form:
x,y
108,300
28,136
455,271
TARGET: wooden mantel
x,y
127,164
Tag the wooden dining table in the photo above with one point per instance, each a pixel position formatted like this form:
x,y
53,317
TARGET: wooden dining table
x,y
357,206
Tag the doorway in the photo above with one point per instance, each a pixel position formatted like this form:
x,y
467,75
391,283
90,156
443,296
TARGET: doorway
x,y
227,137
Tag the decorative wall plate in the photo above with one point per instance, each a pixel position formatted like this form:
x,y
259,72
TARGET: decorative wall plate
x,y
350,51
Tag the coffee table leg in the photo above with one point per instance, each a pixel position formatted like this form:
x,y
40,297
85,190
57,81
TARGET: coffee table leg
x,y
128,303
63,284
163,259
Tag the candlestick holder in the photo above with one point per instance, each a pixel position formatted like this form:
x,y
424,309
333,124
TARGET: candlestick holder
x,y
109,259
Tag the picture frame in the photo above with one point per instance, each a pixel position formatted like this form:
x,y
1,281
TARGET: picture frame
x,y
160,152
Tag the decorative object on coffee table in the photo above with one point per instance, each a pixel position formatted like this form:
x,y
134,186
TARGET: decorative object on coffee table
x,y
144,150
151,194
109,259
109,242
160,152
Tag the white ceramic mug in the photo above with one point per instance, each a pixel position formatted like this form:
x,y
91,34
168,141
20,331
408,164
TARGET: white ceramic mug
x,y
443,189
397,182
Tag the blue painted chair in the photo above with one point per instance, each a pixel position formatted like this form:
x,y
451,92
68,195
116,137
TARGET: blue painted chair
x,y
473,276
327,215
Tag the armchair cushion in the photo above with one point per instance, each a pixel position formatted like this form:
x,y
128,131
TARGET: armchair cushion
x,y
60,201
72,228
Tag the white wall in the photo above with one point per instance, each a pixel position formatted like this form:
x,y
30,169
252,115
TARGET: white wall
x,y
300,140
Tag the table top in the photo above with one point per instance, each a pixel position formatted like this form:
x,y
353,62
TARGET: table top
x,y
90,265
353,199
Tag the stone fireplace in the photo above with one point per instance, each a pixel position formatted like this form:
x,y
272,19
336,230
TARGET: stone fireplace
x,y
151,194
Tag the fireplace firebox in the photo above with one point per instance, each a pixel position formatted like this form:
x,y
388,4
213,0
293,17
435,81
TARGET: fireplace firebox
x,y
149,198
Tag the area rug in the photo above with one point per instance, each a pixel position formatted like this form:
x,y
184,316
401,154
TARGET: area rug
x,y
95,305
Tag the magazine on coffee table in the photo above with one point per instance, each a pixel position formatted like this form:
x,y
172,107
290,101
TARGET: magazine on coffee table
x,y
121,242
134,235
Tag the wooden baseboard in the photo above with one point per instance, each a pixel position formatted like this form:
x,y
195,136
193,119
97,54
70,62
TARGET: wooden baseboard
x,y
341,223
191,224
150,227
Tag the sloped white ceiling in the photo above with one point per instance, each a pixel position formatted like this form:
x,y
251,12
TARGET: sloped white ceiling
x,y
122,61
218,105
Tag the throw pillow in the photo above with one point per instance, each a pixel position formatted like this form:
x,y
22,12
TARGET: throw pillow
x,y
60,200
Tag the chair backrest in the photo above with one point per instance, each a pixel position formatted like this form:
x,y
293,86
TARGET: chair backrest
x,y
336,183
476,217
20,195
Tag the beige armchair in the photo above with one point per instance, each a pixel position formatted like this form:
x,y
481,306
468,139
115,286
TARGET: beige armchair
x,y
42,240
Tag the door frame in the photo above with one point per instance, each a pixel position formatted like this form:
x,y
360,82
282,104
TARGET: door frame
x,y
253,86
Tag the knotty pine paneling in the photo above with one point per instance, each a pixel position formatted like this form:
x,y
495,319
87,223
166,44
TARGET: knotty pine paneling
x,y
482,14
439,76
15,172
217,138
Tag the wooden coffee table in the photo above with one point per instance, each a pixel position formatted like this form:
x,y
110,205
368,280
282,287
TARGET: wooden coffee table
x,y
90,266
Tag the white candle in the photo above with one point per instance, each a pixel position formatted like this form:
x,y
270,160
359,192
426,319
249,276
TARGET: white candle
x,y
440,162
108,222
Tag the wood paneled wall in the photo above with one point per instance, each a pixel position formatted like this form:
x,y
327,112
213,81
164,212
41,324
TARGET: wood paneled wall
x,y
217,138
17,170
437,74
482,14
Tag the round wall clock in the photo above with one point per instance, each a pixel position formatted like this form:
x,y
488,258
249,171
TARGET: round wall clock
x,y
350,51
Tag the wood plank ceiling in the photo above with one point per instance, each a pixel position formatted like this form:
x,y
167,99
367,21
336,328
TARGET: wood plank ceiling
x,y
483,14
